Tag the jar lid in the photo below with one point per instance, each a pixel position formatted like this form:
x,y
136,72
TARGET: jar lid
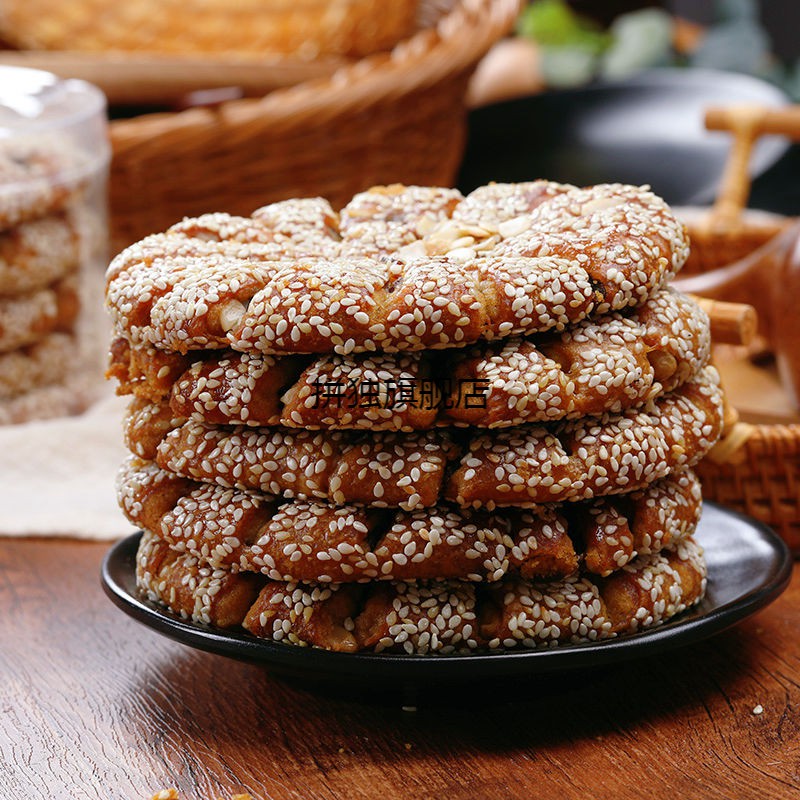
x,y
53,136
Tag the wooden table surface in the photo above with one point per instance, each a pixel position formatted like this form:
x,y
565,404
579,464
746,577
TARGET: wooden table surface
x,y
95,705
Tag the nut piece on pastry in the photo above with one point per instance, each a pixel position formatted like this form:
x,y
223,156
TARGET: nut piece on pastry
x,y
509,259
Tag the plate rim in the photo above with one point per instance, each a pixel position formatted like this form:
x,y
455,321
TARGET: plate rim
x,y
246,647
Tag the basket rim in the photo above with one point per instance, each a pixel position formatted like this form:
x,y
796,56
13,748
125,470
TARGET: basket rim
x,y
459,39
698,216
775,432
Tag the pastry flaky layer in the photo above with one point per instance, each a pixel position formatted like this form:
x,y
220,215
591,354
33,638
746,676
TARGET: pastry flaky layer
x,y
605,364
427,617
321,542
401,268
519,466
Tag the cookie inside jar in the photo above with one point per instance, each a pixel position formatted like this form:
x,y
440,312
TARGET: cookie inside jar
x,y
54,158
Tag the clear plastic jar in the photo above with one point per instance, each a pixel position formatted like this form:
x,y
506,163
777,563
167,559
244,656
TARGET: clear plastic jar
x,y
54,156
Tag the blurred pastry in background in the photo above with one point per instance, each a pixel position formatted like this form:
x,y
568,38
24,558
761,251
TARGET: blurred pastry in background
x,y
53,164
306,28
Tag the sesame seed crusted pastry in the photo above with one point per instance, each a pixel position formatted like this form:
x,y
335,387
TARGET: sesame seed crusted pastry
x,y
641,595
215,597
592,457
622,527
38,176
407,268
308,614
312,541
27,318
146,425
601,365
519,466
36,253
429,618
46,362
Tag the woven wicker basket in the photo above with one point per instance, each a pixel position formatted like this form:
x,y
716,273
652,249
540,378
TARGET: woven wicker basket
x,y
756,468
398,116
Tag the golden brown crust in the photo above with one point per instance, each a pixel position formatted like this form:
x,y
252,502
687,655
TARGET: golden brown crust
x,y
441,617
519,466
325,543
680,582
146,425
643,594
192,589
592,457
485,267
601,365
320,616
144,372
390,469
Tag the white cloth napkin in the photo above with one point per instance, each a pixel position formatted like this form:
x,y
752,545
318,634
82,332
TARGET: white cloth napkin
x,y
57,476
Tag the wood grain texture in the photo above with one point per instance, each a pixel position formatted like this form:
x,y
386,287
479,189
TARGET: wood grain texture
x,y
93,705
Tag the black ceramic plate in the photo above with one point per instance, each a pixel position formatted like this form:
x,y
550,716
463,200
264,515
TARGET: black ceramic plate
x,y
645,130
748,566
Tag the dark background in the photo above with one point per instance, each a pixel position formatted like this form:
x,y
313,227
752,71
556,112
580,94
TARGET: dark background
x,y
780,17
778,189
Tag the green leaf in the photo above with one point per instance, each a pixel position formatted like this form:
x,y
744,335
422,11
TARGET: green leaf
x,y
553,23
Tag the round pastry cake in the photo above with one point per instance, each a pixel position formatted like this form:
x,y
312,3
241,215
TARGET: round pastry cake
x,y
402,268
427,424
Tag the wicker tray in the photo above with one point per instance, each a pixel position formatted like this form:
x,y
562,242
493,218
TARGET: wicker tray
x,y
756,468
398,116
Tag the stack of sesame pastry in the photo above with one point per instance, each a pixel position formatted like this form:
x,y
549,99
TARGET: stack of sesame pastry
x,y
427,424
40,259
